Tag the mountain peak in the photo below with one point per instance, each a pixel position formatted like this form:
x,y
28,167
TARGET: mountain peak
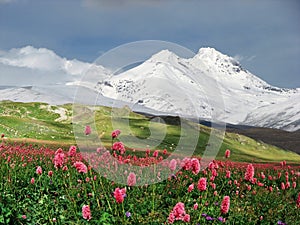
x,y
214,55
164,55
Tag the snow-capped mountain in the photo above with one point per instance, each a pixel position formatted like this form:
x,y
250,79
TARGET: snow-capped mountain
x,y
163,84
171,84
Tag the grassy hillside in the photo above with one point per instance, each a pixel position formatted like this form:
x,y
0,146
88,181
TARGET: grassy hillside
x,y
53,125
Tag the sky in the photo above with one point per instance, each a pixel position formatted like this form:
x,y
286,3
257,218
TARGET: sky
x,y
264,35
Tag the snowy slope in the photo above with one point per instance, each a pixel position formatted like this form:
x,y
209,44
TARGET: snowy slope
x,y
175,85
285,115
28,95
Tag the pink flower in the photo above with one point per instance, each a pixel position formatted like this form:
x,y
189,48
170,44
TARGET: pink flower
x,y
294,184
59,158
228,174
195,166
115,133
80,166
119,194
86,212
155,153
214,172
225,205
65,168
227,153
202,184
186,164
171,218
191,187
39,170
195,206
173,164
87,130
179,211
72,151
298,201
24,217
50,173
32,181
131,179
270,189
249,173
282,186
186,218
213,185
119,146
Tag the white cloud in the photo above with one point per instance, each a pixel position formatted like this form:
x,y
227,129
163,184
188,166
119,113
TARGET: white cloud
x,y
41,59
41,66
6,1
241,58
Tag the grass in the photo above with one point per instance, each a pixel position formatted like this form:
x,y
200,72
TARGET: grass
x,y
39,121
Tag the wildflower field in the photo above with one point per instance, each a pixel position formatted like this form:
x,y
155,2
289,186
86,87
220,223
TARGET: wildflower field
x,y
46,179
41,185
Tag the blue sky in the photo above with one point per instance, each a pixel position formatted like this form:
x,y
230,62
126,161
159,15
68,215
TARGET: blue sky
x,y
264,35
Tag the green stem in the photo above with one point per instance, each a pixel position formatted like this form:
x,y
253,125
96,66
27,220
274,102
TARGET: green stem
x,y
153,197
107,199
